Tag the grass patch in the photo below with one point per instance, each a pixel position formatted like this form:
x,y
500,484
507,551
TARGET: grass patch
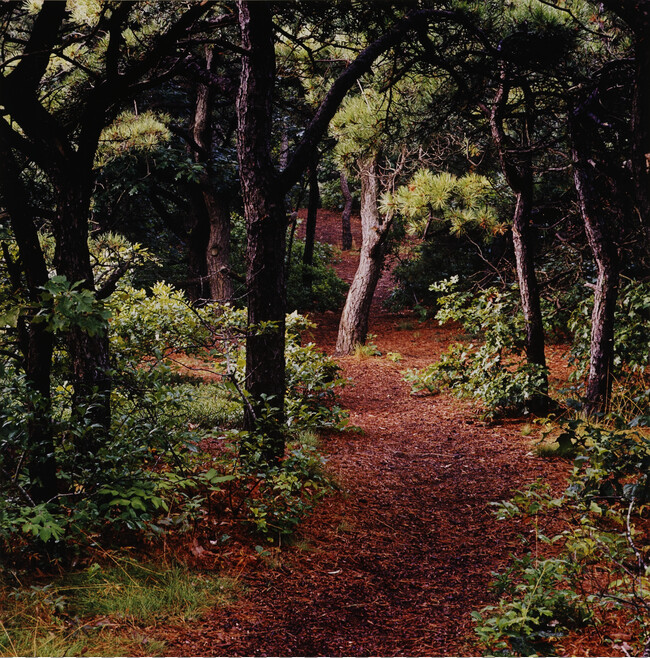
x,y
105,610
59,640
548,451
209,406
307,438
146,594
368,350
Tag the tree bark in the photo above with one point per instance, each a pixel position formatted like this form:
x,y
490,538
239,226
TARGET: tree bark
x,y
346,228
197,239
353,327
641,127
310,225
88,351
218,249
35,342
38,369
636,14
266,220
209,241
517,166
605,253
528,287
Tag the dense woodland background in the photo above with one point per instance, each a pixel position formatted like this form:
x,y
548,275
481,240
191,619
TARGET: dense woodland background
x,y
154,157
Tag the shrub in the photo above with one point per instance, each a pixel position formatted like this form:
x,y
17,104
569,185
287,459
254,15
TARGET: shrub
x,y
493,371
599,562
280,496
327,291
148,472
426,264
535,610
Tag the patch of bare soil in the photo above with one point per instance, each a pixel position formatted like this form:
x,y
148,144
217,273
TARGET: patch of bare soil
x,y
395,563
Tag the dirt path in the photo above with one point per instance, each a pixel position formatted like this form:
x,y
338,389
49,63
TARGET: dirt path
x,y
395,565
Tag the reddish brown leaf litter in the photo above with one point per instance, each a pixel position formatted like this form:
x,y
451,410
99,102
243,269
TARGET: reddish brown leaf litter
x,y
395,563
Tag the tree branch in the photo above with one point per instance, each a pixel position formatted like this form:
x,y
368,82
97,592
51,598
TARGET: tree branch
x,y
340,87
108,288
36,55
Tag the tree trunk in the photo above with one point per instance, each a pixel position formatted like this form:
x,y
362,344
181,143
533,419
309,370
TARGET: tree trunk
x,y
197,239
353,327
35,342
38,369
346,228
209,243
599,382
265,217
605,253
517,166
88,352
529,290
641,129
636,14
310,226
218,249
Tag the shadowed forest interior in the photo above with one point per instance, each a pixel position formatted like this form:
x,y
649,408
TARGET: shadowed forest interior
x,y
325,328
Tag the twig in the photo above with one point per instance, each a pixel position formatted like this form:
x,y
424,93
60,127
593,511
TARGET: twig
x,y
641,566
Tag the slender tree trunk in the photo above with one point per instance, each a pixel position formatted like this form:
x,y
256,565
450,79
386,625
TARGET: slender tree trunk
x,y
218,249
636,14
38,369
346,228
310,226
641,129
197,239
265,215
353,327
528,287
605,253
599,382
516,163
209,243
37,357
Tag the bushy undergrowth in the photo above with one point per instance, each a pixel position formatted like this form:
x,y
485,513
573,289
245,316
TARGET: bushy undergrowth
x,y
493,371
595,568
150,474
426,264
327,291
279,496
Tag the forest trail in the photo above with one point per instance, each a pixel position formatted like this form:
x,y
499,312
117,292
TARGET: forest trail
x,y
395,564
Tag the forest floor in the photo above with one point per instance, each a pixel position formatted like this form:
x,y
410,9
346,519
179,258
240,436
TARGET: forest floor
x,y
395,563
